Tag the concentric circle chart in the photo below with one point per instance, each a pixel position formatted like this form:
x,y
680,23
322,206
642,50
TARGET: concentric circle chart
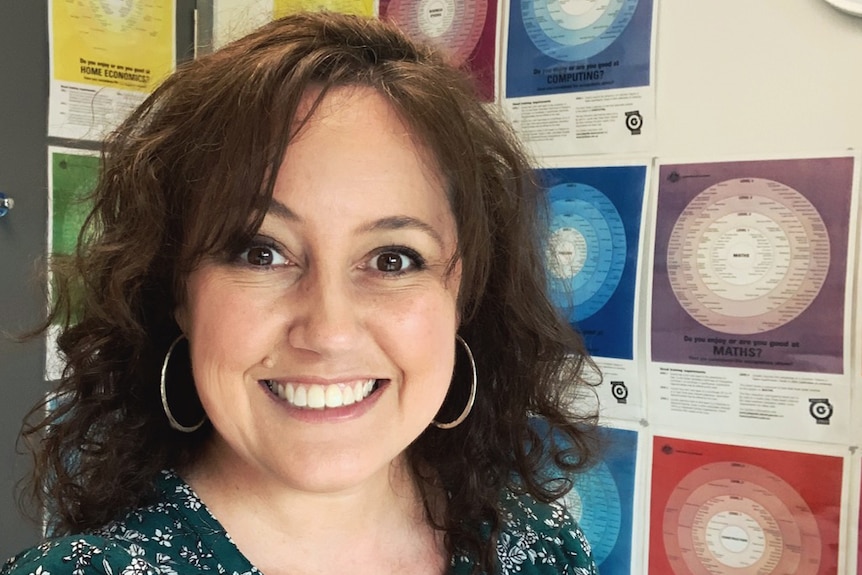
x,y
454,25
594,502
572,30
117,15
747,255
586,252
730,517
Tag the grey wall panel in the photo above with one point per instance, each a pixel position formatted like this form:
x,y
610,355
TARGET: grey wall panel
x,y
23,176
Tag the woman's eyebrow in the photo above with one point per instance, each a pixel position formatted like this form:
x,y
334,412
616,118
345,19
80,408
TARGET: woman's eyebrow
x,y
281,211
401,223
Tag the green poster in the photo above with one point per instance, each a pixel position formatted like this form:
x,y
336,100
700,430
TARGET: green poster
x,y
73,177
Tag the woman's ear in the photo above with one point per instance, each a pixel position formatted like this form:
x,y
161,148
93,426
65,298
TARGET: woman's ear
x,y
180,316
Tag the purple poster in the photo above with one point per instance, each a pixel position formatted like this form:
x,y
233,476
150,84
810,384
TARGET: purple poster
x,y
751,262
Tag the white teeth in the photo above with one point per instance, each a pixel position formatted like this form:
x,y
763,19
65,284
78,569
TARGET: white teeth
x,y
333,396
317,396
299,396
347,395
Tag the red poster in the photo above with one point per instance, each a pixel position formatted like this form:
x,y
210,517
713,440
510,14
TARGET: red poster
x,y
859,537
719,508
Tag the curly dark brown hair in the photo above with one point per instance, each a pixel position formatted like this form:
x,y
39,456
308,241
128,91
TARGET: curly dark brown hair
x,y
190,174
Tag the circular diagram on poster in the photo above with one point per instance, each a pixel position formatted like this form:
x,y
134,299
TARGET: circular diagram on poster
x,y
117,15
734,517
572,30
747,255
454,25
586,252
594,502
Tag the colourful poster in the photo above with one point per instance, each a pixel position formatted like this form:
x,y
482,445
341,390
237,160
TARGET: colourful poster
x,y
106,56
578,77
593,251
749,319
596,214
858,532
118,43
360,7
557,47
72,177
233,19
465,30
719,508
751,264
603,500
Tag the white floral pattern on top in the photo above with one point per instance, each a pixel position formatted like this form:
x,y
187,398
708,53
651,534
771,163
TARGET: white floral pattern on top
x,y
178,535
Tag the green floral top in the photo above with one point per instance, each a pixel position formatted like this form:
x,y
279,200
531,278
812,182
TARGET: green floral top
x,y
178,536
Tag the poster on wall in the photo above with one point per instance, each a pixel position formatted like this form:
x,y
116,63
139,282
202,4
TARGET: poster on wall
x,y
593,264
105,58
72,176
856,533
721,508
578,76
603,497
233,19
466,31
360,7
750,314
602,501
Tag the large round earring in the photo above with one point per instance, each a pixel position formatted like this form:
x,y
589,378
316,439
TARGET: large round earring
x,y
163,390
473,385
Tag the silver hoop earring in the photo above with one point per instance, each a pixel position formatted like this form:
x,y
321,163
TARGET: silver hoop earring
x,y
473,385
163,390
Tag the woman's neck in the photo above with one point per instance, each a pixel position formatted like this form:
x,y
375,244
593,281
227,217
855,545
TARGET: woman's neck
x,y
378,526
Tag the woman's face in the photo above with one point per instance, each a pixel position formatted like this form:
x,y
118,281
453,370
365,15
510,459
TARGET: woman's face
x,y
327,346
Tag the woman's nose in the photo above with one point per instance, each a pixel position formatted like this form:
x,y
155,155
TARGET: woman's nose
x,y
323,313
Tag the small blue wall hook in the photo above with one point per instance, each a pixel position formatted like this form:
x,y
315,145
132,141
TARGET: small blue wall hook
x,y
6,204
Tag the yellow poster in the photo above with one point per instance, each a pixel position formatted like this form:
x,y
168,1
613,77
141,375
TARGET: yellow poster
x,y
123,44
360,7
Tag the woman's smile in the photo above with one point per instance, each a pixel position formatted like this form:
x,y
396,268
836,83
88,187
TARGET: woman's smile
x,y
322,396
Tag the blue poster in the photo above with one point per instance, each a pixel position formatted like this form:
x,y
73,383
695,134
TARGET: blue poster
x,y
602,501
558,47
592,251
602,498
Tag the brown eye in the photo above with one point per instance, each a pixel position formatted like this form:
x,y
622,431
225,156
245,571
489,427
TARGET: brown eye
x,y
391,262
396,260
261,256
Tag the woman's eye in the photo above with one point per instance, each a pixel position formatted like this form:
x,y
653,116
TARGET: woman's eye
x,y
262,256
393,262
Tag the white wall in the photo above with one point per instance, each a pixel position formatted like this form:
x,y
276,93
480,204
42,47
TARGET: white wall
x,y
757,76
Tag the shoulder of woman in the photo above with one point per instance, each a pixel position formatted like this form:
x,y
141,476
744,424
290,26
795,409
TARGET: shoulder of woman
x,y
537,537
73,555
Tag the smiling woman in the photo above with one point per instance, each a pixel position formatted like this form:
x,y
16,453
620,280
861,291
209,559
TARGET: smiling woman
x,y
351,283
310,313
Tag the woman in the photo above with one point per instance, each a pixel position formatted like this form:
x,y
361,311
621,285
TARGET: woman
x,y
308,311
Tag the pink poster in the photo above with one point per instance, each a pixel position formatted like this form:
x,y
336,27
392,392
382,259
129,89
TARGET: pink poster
x,y
466,30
